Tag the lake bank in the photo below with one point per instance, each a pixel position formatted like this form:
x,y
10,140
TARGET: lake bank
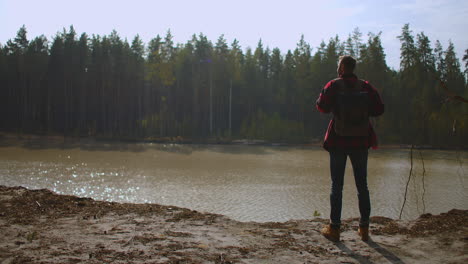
x,y
39,226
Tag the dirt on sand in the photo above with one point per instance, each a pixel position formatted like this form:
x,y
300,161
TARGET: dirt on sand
x,y
39,226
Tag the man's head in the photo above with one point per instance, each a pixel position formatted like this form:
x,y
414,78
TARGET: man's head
x,y
346,65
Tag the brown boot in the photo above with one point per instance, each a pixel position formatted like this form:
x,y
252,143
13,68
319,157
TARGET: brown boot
x,y
331,233
363,232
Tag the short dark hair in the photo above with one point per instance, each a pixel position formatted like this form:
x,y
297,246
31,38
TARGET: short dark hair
x,y
348,61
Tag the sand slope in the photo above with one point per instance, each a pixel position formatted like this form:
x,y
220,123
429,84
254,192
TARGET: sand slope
x,y
38,226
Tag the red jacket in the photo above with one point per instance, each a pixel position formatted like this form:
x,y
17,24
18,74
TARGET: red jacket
x,y
325,104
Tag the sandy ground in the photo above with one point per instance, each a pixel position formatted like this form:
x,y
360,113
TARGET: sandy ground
x,y
38,226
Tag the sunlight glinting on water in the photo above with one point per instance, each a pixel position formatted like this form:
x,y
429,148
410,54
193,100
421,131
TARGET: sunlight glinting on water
x,y
248,183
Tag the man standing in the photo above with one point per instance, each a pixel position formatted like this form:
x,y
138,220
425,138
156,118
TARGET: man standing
x,y
349,134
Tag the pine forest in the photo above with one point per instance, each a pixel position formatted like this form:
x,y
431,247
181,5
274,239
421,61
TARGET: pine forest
x,y
203,91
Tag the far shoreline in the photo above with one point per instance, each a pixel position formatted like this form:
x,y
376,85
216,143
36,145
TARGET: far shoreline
x,y
316,143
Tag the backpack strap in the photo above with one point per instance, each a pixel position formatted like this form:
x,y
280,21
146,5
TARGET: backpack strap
x,y
340,84
358,85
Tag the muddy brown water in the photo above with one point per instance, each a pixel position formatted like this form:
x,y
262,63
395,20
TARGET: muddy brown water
x,y
246,183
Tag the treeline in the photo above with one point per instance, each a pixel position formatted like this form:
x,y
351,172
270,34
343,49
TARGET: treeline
x,y
108,87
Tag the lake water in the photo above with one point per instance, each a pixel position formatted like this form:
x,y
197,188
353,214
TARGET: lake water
x,y
246,183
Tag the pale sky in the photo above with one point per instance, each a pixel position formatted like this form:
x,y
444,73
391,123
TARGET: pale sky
x,y
277,23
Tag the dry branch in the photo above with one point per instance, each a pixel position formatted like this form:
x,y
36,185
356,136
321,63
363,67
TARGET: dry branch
x,y
450,94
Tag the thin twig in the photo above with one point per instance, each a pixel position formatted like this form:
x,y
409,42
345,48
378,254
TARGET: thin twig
x,y
415,188
423,180
460,162
451,97
457,153
407,183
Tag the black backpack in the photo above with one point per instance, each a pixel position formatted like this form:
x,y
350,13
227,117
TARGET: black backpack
x,y
351,111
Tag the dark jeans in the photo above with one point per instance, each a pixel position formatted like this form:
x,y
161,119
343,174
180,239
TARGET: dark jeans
x,y
337,168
